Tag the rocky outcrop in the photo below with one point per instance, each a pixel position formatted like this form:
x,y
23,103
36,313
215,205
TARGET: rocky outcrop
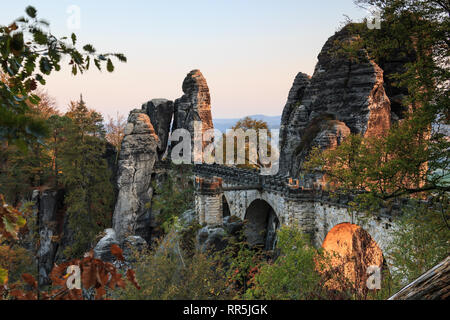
x,y
160,112
102,250
194,105
143,154
130,245
348,92
216,238
295,97
136,160
50,222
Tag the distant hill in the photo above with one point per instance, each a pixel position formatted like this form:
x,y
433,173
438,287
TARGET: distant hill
x,y
224,124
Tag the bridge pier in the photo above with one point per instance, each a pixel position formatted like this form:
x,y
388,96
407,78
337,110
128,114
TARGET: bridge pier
x,y
208,201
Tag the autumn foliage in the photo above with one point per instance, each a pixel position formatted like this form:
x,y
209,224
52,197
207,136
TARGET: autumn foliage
x,y
95,274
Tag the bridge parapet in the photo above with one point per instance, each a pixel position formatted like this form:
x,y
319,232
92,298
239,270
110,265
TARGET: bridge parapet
x,y
308,189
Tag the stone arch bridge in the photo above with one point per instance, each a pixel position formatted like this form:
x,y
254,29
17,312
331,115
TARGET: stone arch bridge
x,y
268,202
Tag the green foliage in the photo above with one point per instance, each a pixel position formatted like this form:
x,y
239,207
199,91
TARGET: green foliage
x,y
293,276
174,195
28,53
240,261
167,273
3,276
86,178
12,221
420,242
17,260
302,272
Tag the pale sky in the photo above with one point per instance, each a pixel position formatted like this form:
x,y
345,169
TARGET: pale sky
x,y
249,50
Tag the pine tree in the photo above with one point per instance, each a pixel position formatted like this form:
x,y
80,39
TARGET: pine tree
x,y
85,176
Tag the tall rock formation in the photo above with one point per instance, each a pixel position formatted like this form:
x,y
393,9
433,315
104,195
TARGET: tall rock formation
x,y
145,144
194,105
137,157
344,95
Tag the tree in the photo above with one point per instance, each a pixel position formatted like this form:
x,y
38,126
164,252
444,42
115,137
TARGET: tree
x,y
174,194
29,53
254,126
115,130
24,169
85,176
46,106
420,241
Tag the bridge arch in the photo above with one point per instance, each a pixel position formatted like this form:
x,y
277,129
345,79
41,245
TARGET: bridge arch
x,y
225,207
262,224
327,217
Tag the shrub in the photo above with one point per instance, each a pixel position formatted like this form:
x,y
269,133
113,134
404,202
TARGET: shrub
x,y
168,273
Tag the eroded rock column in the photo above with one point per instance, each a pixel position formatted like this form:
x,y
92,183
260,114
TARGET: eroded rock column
x,y
136,160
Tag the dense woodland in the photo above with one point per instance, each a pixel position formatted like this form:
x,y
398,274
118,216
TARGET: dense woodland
x,y
75,153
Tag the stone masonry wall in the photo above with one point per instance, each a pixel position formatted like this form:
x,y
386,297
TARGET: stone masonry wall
x,y
314,217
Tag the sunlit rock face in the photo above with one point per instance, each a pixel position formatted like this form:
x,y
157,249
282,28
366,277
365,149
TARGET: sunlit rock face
x,y
352,251
136,160
350,91
194,105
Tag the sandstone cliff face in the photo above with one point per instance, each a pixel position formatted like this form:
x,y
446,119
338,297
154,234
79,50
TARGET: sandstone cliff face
x,y
349,92
136,160
194,105
295,97
160,112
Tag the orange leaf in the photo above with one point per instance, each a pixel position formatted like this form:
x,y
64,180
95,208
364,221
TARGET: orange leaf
x,y
100,292
29,279
88,278
117,252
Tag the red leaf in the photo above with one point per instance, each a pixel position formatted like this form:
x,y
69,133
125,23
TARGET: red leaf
x,y
100,292
29,279
18,294
117,252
